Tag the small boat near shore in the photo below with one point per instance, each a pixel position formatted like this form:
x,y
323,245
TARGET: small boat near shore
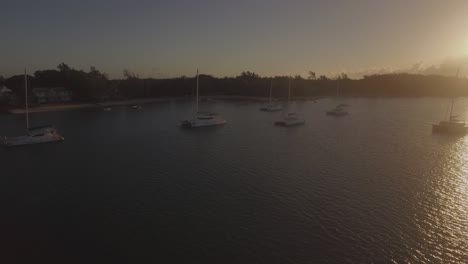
x,y
137,107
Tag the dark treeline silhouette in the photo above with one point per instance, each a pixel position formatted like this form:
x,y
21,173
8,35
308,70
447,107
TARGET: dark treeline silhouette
x,y
84,85
93,85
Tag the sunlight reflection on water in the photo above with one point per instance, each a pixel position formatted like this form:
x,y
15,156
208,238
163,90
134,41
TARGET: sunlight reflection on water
x,y
374,186
444,223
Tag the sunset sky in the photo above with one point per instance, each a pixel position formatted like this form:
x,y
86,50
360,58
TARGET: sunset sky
x,y
222,38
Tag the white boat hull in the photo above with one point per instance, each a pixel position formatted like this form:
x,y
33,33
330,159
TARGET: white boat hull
x,y
194,123
203,119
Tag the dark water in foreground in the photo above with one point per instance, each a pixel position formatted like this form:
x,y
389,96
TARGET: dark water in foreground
x,y
132,187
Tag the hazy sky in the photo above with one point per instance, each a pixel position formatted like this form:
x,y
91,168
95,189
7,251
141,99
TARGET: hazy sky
x,y
222,38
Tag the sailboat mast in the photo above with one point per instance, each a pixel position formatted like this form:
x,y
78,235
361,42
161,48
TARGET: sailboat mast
x,y
289,89
196,105
271,87
26,98
338,88
451,109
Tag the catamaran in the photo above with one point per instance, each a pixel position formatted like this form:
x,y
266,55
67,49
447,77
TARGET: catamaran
x,y
290,118
202,119
35,135
271,107
451,126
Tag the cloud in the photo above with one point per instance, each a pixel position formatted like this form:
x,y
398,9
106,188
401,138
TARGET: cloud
x,y
448,67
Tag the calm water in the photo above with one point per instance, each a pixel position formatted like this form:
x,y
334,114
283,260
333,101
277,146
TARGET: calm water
x,y
129,186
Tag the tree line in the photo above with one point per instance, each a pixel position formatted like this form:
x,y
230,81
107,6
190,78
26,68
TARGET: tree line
x,y
94,85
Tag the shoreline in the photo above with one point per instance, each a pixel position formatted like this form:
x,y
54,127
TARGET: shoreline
x,y
66,107
51,108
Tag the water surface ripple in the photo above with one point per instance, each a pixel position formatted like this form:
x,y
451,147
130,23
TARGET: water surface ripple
x,y
128,186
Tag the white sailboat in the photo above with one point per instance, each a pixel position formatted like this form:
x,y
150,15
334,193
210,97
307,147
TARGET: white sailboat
x,y
339,110
290,118
202,119
35,135
451,126
271,107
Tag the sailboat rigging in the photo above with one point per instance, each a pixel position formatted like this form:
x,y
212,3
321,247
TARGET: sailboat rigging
x,y
34,135
271,107
202,119
290,118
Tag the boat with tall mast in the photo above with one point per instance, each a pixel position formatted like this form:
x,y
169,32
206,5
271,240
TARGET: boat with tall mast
x,y
290,118
452,125
271,107
339,110
202,119
35,135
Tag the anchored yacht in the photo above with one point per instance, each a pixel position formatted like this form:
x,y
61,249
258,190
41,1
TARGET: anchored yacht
x,y
271,107
290,118
202,119
35,135
451,126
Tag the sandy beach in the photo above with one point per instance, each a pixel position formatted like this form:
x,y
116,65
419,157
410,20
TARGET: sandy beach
x,y
52,108
65,107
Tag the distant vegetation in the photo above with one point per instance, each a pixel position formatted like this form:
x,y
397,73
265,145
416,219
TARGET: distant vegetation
x,y
94,85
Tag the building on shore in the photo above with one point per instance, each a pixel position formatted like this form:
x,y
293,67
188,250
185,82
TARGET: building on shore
x,y
52,95
7,97
4,90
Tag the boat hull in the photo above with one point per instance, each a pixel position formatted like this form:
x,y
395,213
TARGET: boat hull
x,y
455,130
30,140
290,123
271,108
203,123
